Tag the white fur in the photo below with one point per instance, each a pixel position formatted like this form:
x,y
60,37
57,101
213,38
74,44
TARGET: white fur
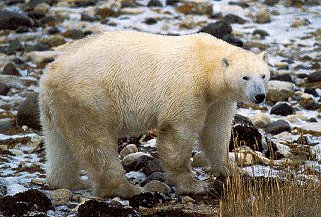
x,y
121,83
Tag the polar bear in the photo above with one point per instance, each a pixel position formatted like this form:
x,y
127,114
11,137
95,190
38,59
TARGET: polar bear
x,y
123,83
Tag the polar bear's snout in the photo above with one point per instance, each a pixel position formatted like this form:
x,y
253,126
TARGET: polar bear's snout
x,y
259,98
255,90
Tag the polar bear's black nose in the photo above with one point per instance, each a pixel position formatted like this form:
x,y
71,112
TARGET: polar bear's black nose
x,y
259,98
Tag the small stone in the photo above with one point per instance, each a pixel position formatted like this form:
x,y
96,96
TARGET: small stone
x,y
199,160
128,149
6,124
312,91
283,109
279,91
218,29
261,120
152,165
74,34
55,40
108,10
14,47
38,46
148,199
202,7
87,17
4,89
231,39
314,77
131,11
232,18
282,77
135,161
60,197
154,3
243,135
39,57
309,104
240,119
277,127
13,20
157,186
187,199
271,2
255,44
28,112
281,65
10,69
150,21
160,176
172,2
41,9
263,16
53,30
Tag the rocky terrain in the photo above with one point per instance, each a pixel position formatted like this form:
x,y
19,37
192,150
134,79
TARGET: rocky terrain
x,y
278,138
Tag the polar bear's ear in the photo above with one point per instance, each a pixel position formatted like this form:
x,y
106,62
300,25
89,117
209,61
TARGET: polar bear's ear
x,y
225,62
263,56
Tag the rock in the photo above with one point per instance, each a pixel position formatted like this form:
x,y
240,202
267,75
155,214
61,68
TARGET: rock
x,y
129,4
39,11
309,104
314,77
218,29
172,2
279,91
20,204
199,160
255,44
88,17
14,47
240,119
152,165
283,109
231,39
82,3
282,66
263,16
271,2
260,120
150,21
232,18
312,91
55,40
108,10
187,199
128,149
10,69
60,197
148,199
310,128
14,20
28,112
96,208
282,77
136,161
74,34
6,124
157,186
261,33
202,7
160,176
4,89
272,152
18,82
3,191
154,3
277,127
39,57
245,136
32,4
39,46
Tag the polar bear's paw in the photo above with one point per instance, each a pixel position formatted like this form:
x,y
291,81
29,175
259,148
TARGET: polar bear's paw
x,y
191,186
124,191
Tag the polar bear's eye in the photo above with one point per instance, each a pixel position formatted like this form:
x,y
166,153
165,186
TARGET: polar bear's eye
x,y
263,76
246,78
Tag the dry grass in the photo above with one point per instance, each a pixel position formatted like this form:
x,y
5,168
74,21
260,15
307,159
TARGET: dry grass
x,y
264,197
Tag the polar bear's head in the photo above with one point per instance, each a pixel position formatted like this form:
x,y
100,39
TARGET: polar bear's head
x,y
246,75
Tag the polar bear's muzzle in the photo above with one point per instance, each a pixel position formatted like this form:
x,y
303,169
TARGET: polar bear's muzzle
x,y
255,91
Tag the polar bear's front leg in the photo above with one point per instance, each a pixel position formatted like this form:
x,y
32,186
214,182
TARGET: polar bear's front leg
x,y
215,137
175,145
